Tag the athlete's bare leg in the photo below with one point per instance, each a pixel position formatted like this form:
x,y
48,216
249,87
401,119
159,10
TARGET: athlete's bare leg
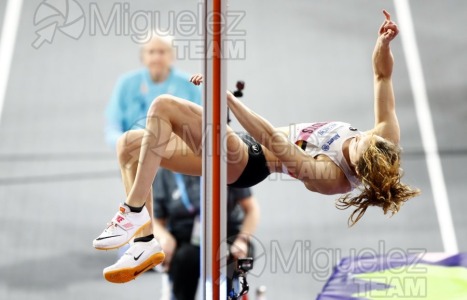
x,y
173,139
128,171
128,151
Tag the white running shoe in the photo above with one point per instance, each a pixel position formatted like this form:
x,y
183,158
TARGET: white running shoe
x,y
123,227
139,258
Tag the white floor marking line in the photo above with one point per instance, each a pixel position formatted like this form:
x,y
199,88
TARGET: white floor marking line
x,y
7,44
425,122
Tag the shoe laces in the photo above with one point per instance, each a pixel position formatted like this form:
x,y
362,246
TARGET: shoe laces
x,y
111,226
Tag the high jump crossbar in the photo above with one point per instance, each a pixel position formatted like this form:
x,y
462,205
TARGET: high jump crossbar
x,y
214,204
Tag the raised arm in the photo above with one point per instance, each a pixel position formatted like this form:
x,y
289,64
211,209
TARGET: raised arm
x,y
386,123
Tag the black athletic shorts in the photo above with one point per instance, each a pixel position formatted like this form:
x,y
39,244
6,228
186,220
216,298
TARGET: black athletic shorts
x,y
256,169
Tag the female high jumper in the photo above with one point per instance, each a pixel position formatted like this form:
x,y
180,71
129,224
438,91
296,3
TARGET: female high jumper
x,y
328,157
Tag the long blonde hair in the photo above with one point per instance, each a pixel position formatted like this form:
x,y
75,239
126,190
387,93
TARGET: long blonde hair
x,y
380,173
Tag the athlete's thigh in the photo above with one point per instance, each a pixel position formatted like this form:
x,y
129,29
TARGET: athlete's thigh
x,y
178,157
186,121
237,155
187,124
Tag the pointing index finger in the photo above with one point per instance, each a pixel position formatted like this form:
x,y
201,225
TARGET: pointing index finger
x,y
387,15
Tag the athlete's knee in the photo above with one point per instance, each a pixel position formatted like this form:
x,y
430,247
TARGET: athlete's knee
x,y
162,105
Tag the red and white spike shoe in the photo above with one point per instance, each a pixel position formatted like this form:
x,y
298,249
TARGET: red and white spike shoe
x,y
123,227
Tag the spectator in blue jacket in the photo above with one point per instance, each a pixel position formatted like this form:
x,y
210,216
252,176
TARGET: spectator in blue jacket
x,y
135,90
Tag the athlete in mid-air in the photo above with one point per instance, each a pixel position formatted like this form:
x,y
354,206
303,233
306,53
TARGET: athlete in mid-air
x,y
328,157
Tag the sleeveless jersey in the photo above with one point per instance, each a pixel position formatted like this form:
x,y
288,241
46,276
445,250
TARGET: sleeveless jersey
x,y
325,138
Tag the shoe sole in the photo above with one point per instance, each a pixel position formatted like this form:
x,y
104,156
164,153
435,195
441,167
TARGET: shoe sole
x,y
116,247
127,274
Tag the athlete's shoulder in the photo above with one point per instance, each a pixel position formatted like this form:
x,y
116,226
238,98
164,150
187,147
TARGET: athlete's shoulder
x,y
388,131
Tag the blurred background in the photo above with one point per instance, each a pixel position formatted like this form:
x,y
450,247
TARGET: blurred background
x,y
302,61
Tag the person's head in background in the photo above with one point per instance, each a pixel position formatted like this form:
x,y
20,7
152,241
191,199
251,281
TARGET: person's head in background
x,y
158,55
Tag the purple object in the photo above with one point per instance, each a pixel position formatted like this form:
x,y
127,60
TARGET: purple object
x,y
342,284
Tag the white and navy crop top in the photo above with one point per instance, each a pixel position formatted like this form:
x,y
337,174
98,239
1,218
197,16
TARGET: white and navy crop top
x,y
326,138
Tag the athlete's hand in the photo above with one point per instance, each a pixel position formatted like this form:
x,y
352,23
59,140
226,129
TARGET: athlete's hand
x,y
388,30
196,79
